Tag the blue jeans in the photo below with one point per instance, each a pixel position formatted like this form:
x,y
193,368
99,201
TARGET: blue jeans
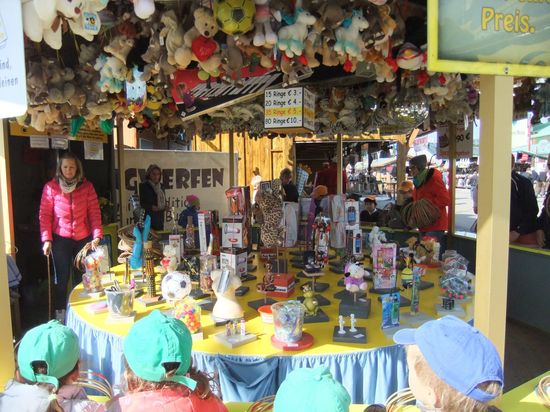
x,y
64,251
441,238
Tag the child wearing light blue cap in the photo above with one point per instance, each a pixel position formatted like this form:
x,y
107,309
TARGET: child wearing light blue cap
x,y
452,366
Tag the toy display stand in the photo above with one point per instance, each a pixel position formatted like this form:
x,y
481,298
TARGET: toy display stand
x,y
360,307
384,291
337,267
389,332
321,300
317,287
357,336
304,343
346,294
150,300
251,268
248,277
207,303
256,304
242,290
197,293
416,320
320,317
424,284
234,341
457,310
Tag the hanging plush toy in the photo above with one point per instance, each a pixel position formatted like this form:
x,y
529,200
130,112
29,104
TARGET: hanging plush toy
x,y
292,37
234,17
410,57
264,35
200,40
348,39
144,8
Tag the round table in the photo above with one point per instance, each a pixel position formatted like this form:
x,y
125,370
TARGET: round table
x,y
370,372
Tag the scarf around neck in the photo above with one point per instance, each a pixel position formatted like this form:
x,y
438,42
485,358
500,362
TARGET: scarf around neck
x,y
67,186
161,200
419,179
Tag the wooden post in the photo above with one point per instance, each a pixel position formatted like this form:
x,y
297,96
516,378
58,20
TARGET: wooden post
x,y
493,208
121,168
6,337
231,159
402,150
339,173
452,176
5,181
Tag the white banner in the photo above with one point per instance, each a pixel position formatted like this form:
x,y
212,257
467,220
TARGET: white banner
x,y
13,83
203,174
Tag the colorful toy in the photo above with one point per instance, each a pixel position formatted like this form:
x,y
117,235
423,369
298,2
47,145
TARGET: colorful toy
x,y
321,236
292,37
310,303
390,310
175,286
189,312
348,39
169,262
355,278
264,34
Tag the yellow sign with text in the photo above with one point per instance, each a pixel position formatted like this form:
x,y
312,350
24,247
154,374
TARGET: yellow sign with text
x,y
501,37
83,134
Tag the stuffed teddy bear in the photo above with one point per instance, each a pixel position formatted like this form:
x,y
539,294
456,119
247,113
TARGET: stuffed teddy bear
x,y
200,40
232,62
355,278
119,47
264,34
173,35
255,55
348,39
292,37
112,73
169,262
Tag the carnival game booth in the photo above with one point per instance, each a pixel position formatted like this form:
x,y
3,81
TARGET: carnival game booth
x,y
241,69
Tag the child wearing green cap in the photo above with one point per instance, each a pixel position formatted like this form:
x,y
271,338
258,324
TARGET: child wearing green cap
x,y
47,366
159,373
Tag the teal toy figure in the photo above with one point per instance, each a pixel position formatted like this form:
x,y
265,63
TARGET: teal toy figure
x,y
140,235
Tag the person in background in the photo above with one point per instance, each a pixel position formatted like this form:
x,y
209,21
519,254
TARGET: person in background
x,y
429,185
543,221
452,366
47,368
69,219
255,183
318,194
328,177
311,390
152,197
158,371
289,188
540,185
371,214
523,210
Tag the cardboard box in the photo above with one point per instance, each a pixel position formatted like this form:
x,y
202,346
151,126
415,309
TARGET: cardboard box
x,y
284,285
352,214
267,254
235,259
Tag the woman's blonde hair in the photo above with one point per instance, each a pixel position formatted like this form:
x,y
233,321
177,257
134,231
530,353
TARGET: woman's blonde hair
x,y
449,398
79,176
150,170
137,384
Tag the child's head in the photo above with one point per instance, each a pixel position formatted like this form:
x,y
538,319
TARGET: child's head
x,y
313,390
452,366
370,203
158,354
48,354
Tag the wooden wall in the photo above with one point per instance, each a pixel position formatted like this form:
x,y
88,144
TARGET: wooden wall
x,y
269,155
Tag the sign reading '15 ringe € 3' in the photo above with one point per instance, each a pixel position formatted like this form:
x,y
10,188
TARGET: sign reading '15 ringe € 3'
x,y
500,37
290,110
13,84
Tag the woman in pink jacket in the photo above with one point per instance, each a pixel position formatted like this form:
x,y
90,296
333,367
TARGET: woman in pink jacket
x,y
69,218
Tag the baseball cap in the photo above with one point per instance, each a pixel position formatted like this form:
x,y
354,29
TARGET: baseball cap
x,y
155,340
319,191
458,353
371,199
53,343
420,162
313,390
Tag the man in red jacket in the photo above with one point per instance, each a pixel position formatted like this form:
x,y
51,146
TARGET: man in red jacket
x,y
428,184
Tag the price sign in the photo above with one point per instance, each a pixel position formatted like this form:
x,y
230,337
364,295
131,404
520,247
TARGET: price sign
x,y
289,110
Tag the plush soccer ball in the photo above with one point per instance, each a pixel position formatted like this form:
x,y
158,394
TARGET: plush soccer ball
x,y
175,286
235,16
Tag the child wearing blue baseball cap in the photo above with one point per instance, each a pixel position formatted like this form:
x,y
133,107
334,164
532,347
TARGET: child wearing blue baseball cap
x,y
47,366
452,366
158,370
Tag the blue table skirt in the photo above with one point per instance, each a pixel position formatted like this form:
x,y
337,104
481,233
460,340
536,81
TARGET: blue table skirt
x,y
370,376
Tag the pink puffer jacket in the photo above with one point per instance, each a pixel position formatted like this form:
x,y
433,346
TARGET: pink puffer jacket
x,y
74,215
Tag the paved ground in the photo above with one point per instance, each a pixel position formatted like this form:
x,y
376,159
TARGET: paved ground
x,y
464,215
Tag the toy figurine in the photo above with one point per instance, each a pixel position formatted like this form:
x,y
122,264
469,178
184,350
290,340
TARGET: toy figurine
x,y
353,321
310,303
354,278
376,236
169,262
267,282
321,227
341,330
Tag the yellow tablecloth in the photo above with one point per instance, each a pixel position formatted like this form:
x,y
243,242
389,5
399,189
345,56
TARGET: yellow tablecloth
x,y
322,332
523,398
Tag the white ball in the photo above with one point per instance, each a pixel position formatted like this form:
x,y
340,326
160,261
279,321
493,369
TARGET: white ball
x,y
175,286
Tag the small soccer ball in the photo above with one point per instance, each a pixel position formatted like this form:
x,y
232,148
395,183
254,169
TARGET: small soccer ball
x,y
175,286
234,16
